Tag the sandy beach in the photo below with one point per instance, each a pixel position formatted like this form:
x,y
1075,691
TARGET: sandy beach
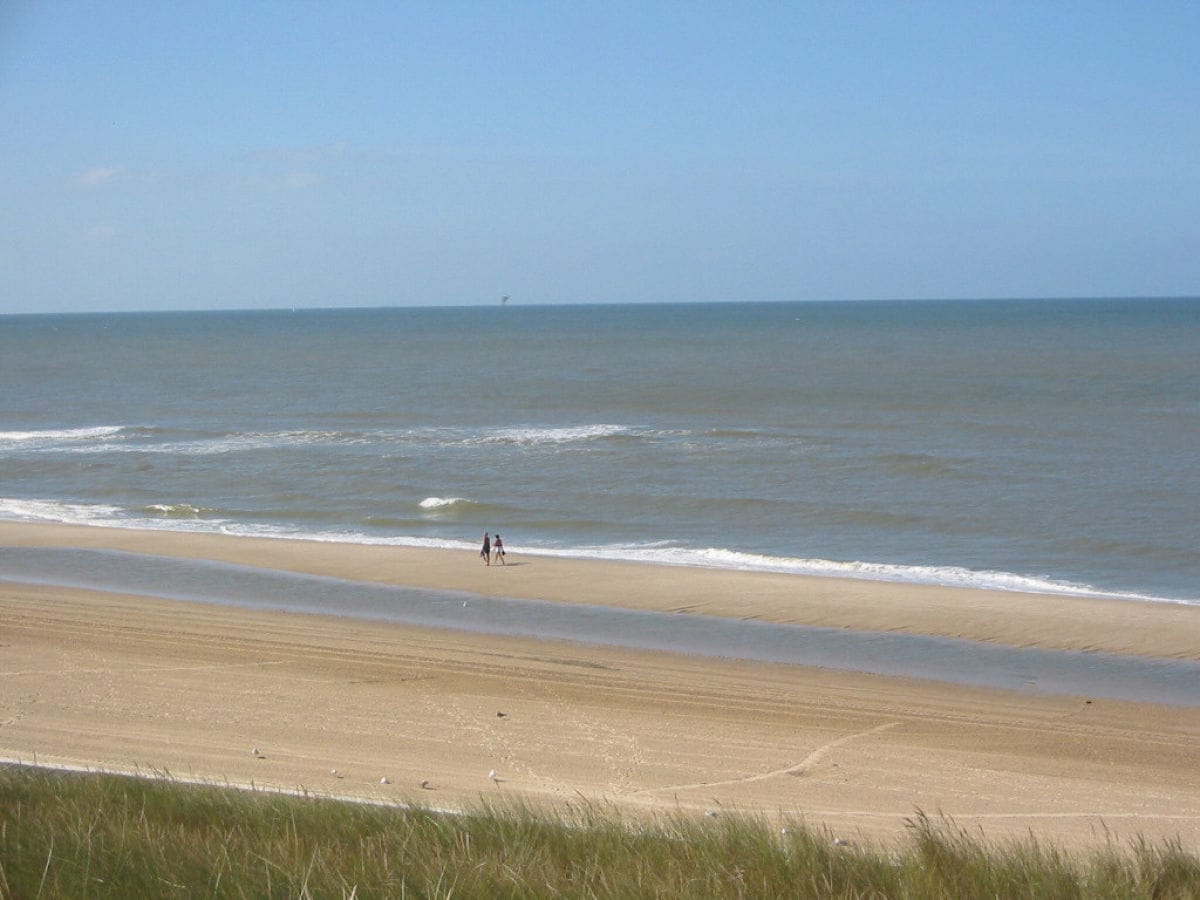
x,y
127,683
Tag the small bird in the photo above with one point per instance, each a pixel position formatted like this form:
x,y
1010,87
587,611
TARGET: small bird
x,y
500,715
384,780
256,752
335,773
492,774
425,784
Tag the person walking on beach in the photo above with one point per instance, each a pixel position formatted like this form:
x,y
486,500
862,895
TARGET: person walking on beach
x,y
498,548
486,552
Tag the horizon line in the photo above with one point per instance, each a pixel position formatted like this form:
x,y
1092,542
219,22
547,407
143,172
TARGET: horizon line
x,y
509,303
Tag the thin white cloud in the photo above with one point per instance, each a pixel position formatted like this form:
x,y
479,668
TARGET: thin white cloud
x,y
306,154
97,177
298,180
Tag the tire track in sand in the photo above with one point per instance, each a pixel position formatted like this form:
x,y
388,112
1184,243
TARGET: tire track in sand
x,y
797,769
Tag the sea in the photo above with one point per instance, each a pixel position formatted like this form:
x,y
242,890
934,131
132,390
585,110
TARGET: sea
x,y
1047,446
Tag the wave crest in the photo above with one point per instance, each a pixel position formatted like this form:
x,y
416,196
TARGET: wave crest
x,y
442,503
554,435
173,510
60,434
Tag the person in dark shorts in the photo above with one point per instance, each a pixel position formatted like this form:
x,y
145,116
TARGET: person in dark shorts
x,y
498,549
486,552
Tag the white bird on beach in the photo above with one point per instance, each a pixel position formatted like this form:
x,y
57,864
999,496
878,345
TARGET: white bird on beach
x,y
492,775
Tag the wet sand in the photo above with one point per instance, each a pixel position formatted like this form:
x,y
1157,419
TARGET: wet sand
x,y
112,681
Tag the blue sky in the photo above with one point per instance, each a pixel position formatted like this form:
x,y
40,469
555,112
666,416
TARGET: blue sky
x,y
277,154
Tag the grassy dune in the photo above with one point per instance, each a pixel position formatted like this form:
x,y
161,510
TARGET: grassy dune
x,y
73,835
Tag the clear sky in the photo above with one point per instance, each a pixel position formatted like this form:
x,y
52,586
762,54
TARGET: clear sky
x,y
189,155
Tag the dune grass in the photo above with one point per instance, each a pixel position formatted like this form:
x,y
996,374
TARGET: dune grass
x,y
87,835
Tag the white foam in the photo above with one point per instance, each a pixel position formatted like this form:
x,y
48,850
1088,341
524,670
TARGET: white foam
x,y
185,510
60,434
55,511
434,503
94,439
559,435
251,440
668,554
155,517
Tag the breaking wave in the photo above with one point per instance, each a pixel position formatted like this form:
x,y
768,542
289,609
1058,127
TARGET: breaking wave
x,y
557,435
59,435
174,510
434,504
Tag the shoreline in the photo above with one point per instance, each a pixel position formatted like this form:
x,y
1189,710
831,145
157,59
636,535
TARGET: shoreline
x,y
719,558
1046,621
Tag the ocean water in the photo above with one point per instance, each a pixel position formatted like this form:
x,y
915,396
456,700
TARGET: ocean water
x,y
1014,445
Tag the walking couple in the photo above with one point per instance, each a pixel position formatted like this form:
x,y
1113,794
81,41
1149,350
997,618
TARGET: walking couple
x,y
492,546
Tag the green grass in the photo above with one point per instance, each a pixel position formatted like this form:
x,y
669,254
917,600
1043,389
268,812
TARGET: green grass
x,y
73,835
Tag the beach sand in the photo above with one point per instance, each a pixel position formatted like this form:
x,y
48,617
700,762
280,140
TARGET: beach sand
x,y
126,683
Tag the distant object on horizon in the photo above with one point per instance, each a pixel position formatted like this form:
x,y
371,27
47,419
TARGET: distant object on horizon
x,y
504,300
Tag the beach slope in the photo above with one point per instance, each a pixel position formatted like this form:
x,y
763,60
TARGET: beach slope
x,y
398,713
